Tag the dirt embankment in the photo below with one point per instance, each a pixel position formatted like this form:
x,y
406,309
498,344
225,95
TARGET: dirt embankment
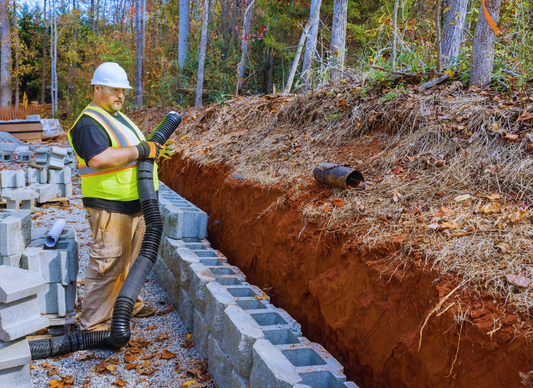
x,y
337,287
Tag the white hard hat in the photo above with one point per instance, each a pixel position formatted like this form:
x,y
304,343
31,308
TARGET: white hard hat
x,y
111,74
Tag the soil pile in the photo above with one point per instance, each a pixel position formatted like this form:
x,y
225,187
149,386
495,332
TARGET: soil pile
x,y
421,276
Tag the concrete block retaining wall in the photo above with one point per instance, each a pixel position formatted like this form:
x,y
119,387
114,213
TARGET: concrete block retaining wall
x,y
248,342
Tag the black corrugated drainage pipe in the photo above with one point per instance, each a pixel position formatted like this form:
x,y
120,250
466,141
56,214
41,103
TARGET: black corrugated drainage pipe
x,y
123,309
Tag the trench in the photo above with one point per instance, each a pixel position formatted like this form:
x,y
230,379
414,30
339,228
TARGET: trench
x,y
337,289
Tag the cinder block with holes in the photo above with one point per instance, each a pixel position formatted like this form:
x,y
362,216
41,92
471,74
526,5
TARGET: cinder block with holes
x,y
60,176
167,280
185,310
64,190
57,158
58,299
15,358
239,337
45,191
200,333
11,179
36,176
19,305
42,156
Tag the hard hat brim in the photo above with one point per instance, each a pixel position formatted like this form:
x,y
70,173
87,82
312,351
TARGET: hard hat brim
x,y
111,84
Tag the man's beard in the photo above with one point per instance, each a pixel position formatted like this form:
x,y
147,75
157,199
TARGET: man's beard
x,y
116,109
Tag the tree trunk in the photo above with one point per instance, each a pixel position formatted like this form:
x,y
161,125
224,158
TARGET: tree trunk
x,y
16,37
143,48
97,23
91,15
310,48
244,46
312,19
394,34
338,36
5,56
438,35
184,27
140,54
201,56
43,72
454,25
482,60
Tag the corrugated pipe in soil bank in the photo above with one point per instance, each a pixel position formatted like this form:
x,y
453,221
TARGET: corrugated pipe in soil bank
x,y
123,309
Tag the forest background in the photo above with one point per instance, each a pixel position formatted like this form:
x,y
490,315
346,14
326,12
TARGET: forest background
x,y
186,52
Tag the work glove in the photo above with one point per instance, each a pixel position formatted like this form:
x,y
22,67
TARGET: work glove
x,y
168,150
149,150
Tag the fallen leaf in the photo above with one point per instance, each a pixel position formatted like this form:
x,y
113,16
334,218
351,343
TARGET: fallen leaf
x,y
84,357
527,378
188,383
56,384
504,247
131,366
151,328
338,202
462,198
167,355
510,136
398,170
130,358
443,212
120,382
434,226
145,364
325,209
518,280
491,208
396,196
261,297
449,225
493,196
161,337
113,361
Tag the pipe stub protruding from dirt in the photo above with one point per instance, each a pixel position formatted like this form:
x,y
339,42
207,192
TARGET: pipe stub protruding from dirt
x,y
338,176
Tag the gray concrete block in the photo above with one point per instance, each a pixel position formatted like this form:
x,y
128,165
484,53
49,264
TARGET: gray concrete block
x,y
9,147
34,175
70,158
23,196
24,156
64,190
237,381
200,275
219,364
185,259
185,310
42,156
217,300
15,360
15,232
200,333
58,299
275,318
60,176
13,260
167,280
12,179
172,221
45,191
271,369
183,220
19,305
238,340
57,158
38,235
56,265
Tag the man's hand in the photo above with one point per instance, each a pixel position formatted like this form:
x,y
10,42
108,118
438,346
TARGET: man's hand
x,y
168,150
149,150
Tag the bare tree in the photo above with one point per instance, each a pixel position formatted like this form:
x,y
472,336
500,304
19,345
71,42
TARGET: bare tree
x,y
184,28
53,56
454,25
338,36
5,56
438,34
482,60
244,46
43,71
312,19
139,13
16,37
394,34
201,57
310,48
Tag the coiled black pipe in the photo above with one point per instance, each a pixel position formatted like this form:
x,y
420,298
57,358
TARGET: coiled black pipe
x,y
123,308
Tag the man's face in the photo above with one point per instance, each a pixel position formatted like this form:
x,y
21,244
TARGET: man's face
x,y
111,99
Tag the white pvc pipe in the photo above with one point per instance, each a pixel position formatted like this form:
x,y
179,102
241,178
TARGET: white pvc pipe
x,y
55,232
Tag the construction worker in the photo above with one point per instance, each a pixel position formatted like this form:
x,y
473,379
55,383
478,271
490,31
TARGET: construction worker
x,y
107,145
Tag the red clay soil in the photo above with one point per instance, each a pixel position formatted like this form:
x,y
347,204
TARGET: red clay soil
x,y
335,287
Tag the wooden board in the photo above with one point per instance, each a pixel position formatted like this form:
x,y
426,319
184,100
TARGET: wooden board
x,y
55,320
23,130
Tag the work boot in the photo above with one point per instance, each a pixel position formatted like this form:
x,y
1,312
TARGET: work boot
x,y
146,311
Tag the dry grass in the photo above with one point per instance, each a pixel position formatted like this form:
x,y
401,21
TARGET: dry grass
x,y
428,148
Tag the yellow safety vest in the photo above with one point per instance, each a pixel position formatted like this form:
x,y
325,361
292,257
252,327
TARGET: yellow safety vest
x,y
117,183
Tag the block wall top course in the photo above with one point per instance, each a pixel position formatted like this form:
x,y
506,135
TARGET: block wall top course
x,y
13,354
17,283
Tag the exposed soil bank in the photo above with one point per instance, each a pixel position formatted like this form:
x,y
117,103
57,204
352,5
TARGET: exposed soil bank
x,y
336,288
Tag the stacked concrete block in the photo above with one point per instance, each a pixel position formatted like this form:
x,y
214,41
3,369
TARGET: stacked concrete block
x,y
15,235
15,198
37,176
45,192
24,156
62,179
15,360
42,156
59,268
7,151
19,304
249,342
57,158
70,158
12,179
181,218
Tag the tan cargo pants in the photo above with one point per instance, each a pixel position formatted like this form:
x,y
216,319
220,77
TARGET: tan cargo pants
x,y
117,240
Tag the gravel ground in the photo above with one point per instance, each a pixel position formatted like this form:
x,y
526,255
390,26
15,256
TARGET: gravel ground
x,y
163,354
